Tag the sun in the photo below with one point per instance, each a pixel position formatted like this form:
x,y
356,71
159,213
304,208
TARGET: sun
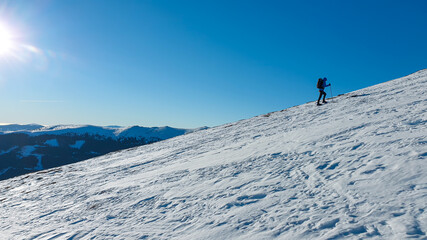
x,y
6,40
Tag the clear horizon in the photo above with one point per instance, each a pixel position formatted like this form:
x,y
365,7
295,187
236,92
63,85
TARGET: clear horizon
x,y
188,64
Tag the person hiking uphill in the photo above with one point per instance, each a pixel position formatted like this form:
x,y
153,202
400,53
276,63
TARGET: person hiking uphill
x,y
321,84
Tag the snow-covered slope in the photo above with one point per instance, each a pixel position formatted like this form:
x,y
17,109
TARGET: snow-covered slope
x,y
354,168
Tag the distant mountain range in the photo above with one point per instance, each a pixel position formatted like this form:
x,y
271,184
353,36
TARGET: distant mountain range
x,y
33,147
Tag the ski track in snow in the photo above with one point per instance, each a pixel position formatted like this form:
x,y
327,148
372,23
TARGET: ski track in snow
x,y
352,169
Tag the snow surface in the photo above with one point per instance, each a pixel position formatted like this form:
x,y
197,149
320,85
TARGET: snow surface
x,y
27,150
354,168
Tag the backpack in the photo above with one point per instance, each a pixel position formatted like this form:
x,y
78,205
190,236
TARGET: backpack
x,y
320,83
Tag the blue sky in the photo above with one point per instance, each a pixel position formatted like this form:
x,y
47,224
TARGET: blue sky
x,y
194,63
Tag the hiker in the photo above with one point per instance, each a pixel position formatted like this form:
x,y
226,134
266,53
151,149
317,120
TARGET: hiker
x,y
321,84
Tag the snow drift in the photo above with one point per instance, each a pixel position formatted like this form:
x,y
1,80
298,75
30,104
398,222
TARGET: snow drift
x,y
353,168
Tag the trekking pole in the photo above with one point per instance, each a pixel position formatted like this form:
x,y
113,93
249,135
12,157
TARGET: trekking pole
x,y
330,87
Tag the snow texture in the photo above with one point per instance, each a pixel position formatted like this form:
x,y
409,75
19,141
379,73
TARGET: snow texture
x,y
354,168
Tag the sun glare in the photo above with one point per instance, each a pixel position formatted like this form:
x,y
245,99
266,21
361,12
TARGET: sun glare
x,y
6,42
13,49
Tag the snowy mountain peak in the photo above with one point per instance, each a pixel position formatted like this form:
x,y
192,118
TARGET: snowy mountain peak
x,y
17,127
351,169
111,131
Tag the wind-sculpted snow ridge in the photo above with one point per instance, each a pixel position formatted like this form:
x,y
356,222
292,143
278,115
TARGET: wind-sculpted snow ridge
x,y
354,168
